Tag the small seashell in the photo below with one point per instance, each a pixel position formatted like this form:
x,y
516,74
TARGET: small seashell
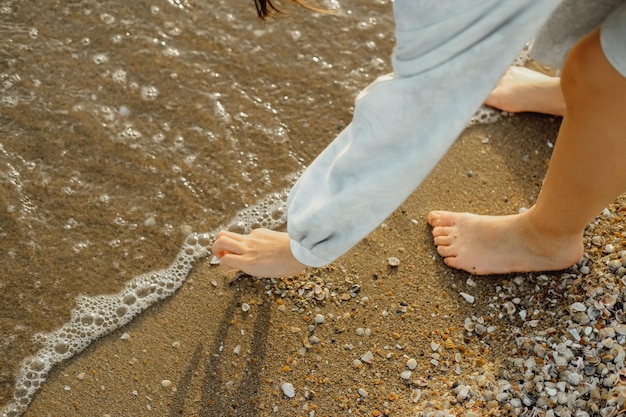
x,y
464,393
416,394
287,388
608,300
575,334
411,364
581,317
480,330
469,325
406,375
591,357
620,329
574,379
434,346
449,344
594,313
509,307
245,307
608,411
578,306
393,261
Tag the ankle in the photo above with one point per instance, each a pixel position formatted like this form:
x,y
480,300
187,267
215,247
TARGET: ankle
x,y
551,239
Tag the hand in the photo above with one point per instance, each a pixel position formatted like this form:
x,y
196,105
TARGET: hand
x,y
263,253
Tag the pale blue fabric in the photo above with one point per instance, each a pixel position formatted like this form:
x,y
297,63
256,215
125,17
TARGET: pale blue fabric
x,y
613,38
449,54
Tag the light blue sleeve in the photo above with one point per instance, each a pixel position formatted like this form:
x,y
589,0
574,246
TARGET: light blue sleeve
x,y
448,56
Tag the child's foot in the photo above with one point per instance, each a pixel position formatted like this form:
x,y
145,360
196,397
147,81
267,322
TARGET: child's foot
x,y
485,245
524,90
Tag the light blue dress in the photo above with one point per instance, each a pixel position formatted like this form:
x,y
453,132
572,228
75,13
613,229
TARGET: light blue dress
x,y
448,56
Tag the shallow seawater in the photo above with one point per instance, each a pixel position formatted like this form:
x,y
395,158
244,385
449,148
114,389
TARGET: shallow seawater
x,y
126,126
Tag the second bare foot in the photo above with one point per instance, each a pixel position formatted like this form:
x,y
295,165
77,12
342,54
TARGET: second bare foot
x,y
522,89
485,245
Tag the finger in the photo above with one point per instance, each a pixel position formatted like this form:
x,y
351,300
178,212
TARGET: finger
x,y
231,262
231,235
224,245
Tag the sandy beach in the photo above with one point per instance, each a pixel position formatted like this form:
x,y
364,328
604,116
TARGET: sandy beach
x,y
200,354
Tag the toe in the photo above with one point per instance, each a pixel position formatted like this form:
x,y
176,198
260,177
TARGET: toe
x,y
446,251
443,240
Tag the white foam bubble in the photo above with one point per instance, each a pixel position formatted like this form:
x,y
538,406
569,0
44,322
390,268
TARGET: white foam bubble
x,y
119,76
149,92
486,115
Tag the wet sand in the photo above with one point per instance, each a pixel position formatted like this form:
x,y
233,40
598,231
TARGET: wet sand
x,y
198,353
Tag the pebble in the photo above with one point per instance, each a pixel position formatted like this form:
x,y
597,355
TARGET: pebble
x,y
362,392
406,375
125,336
245,307
319,318
368,357
166,383
411,364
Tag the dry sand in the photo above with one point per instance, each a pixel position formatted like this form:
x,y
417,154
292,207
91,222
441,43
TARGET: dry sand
x,y
191,338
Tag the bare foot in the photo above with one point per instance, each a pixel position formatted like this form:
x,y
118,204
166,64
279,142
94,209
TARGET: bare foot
x,y
485,245
524,90
263,253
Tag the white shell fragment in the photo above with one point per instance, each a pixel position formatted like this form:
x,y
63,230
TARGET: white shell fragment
x,y
469,298
368,357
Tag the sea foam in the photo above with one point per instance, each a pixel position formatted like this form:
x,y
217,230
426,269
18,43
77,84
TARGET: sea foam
x,y
96,316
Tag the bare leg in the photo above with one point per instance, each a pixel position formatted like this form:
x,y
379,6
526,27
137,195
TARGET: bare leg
x,y
585,174
522,89
262,253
